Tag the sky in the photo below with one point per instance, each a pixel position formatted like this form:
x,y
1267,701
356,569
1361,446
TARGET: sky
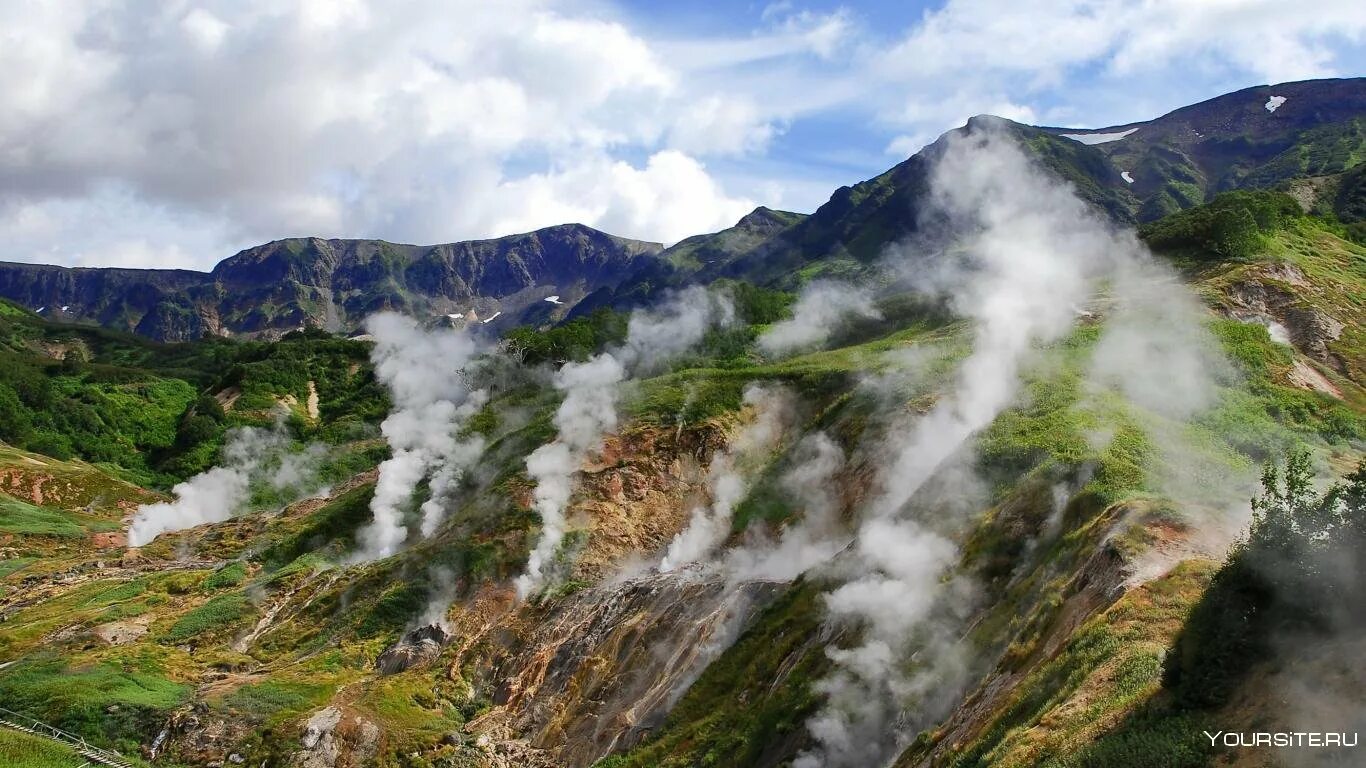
x,y
172,134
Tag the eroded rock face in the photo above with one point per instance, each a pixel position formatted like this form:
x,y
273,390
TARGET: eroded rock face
x,y
1310,329
416,648
333,738
603,667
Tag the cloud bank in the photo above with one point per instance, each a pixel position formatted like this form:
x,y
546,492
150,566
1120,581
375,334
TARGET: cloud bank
x,y
150,134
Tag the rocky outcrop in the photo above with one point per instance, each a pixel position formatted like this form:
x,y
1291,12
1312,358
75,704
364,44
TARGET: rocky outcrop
x,y
417,647
333,738
601,668
1268,297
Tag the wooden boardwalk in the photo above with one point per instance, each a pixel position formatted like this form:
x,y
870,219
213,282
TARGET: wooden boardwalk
x,y
24,724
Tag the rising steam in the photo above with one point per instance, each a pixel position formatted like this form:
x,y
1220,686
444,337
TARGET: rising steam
x,y
811,487
251,456
588,411
1027,253
424,372
821,310
710,525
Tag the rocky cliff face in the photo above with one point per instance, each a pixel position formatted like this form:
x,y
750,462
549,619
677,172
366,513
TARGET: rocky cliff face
x,y
281,286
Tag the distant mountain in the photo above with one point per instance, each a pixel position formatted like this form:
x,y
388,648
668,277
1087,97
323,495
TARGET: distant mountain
x,y
1315,133
1307,135
333,284
1256,138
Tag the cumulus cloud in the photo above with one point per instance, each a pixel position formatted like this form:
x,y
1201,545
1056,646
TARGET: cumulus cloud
x,y
404,122
670,198
434,121
424,371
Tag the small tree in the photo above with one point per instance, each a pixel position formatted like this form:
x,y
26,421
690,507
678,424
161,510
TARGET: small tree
x,y
1302,569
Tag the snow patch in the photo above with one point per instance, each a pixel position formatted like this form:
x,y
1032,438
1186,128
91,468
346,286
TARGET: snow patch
x,y
40,309
1274,103
1127,178
554,299
1097,138
456,315
65,307
492,317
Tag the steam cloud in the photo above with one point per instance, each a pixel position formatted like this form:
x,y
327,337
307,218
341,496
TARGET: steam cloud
x,y
1028,253
656,336
817,538
709,526
588,411
820,311
251,456
424,372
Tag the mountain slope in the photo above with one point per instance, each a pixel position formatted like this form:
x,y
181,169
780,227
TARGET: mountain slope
x,y
1235,141
1078,526
332,284
1177,161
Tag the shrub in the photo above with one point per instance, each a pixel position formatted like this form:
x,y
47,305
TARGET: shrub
x,y
1296,572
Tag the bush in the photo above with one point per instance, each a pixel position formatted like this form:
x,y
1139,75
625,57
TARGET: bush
x,y
1299,571
1232,226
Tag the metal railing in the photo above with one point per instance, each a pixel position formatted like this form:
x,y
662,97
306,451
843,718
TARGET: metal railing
x,y
23,723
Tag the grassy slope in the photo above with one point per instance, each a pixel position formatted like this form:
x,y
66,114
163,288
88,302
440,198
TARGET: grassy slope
x,y
20,750
339,619
1098,700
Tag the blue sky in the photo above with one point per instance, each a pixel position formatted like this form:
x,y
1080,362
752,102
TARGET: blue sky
x,y
173,134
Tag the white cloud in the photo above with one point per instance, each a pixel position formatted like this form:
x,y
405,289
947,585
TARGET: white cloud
x,y
671,197
1005,57
414,121
223,124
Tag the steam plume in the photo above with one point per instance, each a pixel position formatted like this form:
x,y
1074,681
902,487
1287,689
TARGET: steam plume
x,y
660,334
251,455
820,311
709,526
1030,251
586,414
588,411
816,538
424,372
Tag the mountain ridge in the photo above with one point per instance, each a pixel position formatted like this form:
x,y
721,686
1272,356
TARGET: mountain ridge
x,y
1166,164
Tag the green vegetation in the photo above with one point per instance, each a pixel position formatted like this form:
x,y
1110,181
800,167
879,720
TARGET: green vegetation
x,y
576,339
230,575
1061,715
1297,573
20,750
330,529
119,705
22,518
276,700
1232,226
213,617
